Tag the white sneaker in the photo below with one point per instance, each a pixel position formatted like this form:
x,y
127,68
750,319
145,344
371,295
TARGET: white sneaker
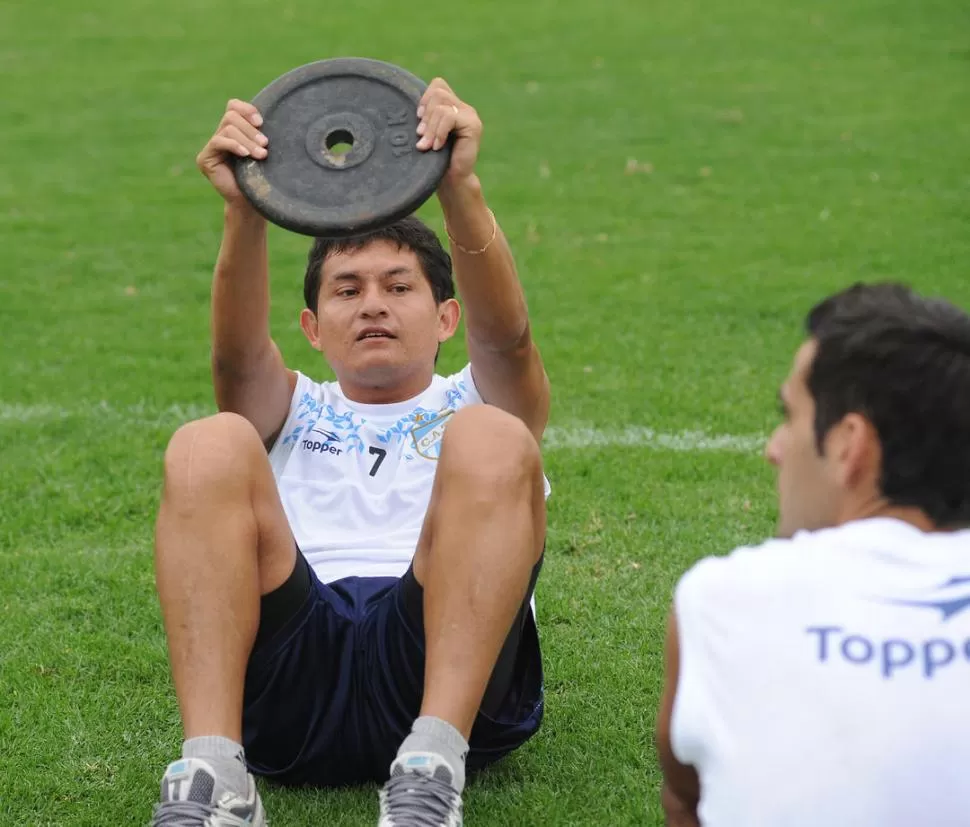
x,y
419,793
192,796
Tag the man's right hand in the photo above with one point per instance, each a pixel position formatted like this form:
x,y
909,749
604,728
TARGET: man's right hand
x,y
238,134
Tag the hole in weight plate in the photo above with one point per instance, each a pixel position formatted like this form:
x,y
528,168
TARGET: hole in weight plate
x,y
338,143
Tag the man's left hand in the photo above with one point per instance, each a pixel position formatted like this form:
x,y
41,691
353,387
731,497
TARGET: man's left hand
x,y
441,113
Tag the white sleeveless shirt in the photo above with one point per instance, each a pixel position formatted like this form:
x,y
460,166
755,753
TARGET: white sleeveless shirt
x,y
825,680
355,480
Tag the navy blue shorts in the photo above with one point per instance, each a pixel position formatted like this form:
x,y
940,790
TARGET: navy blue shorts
x,y
336,678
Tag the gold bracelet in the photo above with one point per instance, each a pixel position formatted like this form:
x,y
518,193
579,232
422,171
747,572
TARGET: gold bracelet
x,y
488,244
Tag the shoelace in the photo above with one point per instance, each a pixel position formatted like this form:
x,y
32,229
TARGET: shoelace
x,y
419,800
191,814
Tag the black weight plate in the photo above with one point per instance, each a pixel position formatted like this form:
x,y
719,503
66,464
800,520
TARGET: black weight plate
x,y
304,186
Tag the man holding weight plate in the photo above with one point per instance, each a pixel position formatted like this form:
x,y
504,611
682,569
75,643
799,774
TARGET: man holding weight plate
x,y
346,568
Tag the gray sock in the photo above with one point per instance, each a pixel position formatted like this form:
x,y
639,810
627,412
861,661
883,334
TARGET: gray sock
x,y
225,756
430,734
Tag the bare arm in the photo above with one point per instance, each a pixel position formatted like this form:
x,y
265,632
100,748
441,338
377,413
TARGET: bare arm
x,y
681,788
505,361
248,372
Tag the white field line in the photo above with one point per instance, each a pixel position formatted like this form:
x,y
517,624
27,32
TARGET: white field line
x,y
557,437
138,414
636,436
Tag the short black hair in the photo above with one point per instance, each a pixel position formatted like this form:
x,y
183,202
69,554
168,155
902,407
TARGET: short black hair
x,y
902,361
408,233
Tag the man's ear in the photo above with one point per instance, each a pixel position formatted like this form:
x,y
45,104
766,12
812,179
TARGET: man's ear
x,y
854,445
308,322
449,314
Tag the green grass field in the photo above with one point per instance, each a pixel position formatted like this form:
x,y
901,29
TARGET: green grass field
x,y
680,181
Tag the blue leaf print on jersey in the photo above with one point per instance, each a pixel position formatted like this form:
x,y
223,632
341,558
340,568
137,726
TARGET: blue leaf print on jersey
x,y
294,435
344,421
454,397
306,408
400,429
345,426
308,405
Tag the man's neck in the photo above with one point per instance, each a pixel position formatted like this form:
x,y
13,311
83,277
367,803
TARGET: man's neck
x,y
385,394
911,515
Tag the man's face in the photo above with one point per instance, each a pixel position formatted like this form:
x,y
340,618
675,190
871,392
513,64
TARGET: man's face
x,y
377,322
810,491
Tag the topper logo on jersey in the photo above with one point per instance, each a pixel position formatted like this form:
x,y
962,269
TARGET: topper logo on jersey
x,y
427,433
326,446
951,598
891,656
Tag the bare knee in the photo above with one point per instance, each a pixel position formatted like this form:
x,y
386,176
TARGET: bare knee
x,y
209,453
492,450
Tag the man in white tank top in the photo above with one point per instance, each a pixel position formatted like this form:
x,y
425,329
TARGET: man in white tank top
x,y
346,568
821,679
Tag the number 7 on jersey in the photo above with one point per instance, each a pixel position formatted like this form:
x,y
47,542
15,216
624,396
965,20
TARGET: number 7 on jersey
x,y
381,453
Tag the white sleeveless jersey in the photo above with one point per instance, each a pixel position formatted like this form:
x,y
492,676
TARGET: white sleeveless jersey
x,y
355,480
825,680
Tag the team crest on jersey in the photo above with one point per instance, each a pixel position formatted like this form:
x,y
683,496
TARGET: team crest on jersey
x,y
427,431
